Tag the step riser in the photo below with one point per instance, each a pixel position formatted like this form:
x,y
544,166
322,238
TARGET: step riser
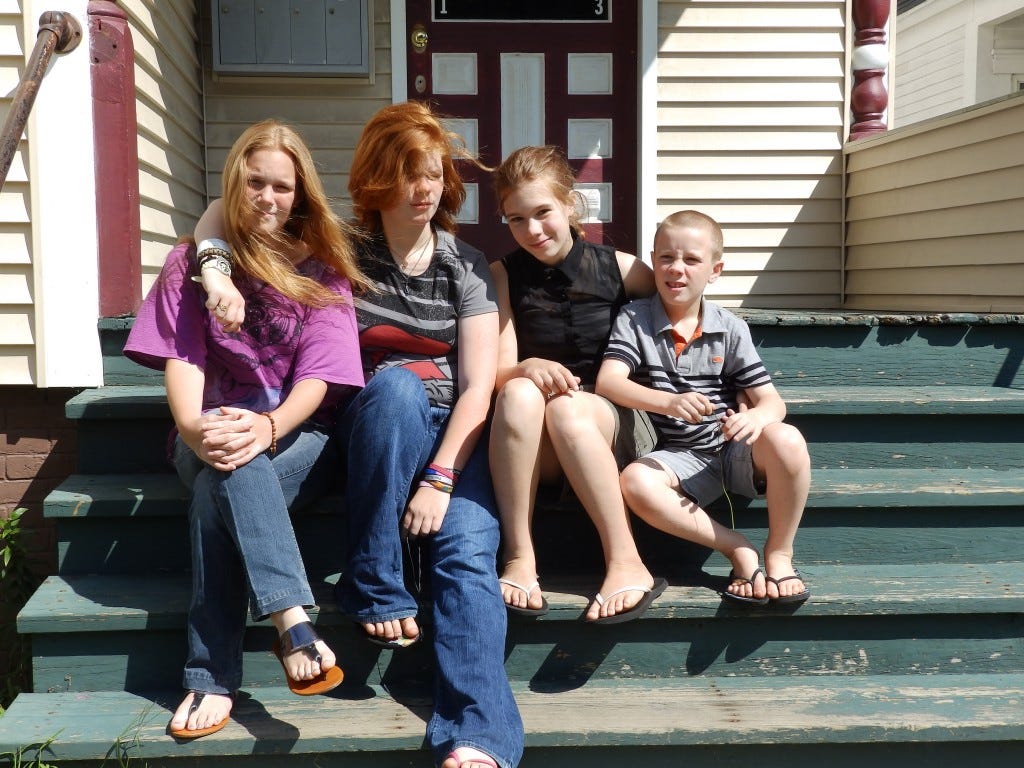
x,y
987,355
569,543
855,440
162,544
560,656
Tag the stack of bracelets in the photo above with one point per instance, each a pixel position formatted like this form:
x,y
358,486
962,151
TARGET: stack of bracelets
x,y
213,254
439,478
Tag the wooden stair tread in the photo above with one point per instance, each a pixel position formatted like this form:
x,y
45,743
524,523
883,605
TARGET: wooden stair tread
x,y
696,711
135,401
91,603
132,495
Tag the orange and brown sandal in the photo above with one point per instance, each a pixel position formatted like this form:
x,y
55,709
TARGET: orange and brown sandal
x,y
195,733
302,638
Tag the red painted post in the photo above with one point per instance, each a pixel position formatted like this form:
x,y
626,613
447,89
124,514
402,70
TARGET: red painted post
x,y
112,59
868,97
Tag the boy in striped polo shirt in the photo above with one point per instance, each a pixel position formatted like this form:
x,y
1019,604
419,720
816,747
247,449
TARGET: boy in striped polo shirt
x,y
693,366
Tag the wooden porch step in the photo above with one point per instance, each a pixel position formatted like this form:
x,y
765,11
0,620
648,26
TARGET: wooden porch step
x,y
149,495
696,722
846,426
150,401
91,603
122,632
136,523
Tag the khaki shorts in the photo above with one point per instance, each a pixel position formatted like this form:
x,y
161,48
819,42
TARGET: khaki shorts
x,y
634,434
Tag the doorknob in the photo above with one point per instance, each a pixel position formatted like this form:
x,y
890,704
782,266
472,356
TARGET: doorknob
x,y
419,38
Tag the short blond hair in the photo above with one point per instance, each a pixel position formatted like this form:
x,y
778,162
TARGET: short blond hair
x,y
697,220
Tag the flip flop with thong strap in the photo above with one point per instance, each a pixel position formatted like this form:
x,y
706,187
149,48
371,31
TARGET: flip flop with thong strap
x,y
195,733
395,644
302,638
526,610
733,576
635,612
799,597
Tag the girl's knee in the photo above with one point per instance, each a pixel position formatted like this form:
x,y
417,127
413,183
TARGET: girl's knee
x,y
397,384
519,402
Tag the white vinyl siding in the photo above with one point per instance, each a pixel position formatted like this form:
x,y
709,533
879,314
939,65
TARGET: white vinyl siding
x,y
16,334
936,214
750,131
170,117
329,113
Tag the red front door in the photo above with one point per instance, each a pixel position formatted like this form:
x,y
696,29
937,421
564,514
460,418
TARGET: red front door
x,y
560,72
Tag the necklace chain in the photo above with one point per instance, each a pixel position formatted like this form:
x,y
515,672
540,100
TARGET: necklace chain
x,y
418,249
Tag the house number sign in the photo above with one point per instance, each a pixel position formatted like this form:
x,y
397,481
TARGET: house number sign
x,y
523,10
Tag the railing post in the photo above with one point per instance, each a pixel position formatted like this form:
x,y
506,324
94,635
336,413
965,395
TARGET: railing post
x,y
868,97
58,32
115,132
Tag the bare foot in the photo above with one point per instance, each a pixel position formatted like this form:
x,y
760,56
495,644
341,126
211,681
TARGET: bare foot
x,y
467,757
298,666
745,566
616,578
394,629
212,710
779,565
524,574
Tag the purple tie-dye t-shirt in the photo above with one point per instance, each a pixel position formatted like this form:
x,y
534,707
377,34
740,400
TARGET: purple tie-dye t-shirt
x,y
280,343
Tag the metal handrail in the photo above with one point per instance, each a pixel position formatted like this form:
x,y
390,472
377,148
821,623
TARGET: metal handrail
x,y
60,32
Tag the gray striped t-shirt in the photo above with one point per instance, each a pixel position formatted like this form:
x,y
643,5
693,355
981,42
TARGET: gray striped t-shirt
x,y
718,363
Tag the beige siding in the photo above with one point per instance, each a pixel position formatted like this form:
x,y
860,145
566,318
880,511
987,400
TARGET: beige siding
x,y
17,355
750,130
170,117
931,63
936,214
329,113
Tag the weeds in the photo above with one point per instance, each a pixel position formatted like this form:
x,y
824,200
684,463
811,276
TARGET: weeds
x,y
17,582
17,759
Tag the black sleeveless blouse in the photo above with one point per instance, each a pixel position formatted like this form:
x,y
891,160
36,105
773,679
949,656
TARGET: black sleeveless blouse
x,y
565,313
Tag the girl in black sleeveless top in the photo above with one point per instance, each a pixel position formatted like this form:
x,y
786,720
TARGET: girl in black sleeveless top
x,y
558,296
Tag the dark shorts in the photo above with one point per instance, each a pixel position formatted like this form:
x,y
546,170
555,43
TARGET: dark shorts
x,y
705,475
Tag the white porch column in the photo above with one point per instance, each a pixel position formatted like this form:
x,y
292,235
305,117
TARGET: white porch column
x,y
63,215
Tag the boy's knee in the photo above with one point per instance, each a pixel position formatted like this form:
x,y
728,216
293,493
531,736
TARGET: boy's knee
x,y
635,481
788,444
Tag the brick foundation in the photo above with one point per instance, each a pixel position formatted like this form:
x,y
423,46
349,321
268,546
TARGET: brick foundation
x,y
37,451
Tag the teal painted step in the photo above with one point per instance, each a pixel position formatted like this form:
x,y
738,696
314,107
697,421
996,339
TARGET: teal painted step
x,y
845,426
116,632
782,721
823,348
807,347
136,523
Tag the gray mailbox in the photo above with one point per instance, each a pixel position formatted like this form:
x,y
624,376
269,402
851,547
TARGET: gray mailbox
x,y
325,38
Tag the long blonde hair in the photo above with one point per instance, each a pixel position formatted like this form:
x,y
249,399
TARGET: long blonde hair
x,y
312,222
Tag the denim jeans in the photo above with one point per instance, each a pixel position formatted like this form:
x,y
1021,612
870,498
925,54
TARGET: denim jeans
x,y
243,547
390,433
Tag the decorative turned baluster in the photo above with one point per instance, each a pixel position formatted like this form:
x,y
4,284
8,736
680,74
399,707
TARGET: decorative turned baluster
x,y
868,98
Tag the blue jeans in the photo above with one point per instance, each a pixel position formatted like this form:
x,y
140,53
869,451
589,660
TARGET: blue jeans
x,y
390,432
243,547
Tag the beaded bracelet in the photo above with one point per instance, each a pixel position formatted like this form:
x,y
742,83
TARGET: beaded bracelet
x,y
273,432
214,258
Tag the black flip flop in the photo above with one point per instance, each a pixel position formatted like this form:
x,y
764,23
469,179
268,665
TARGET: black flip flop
x,y
739,598
799,597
